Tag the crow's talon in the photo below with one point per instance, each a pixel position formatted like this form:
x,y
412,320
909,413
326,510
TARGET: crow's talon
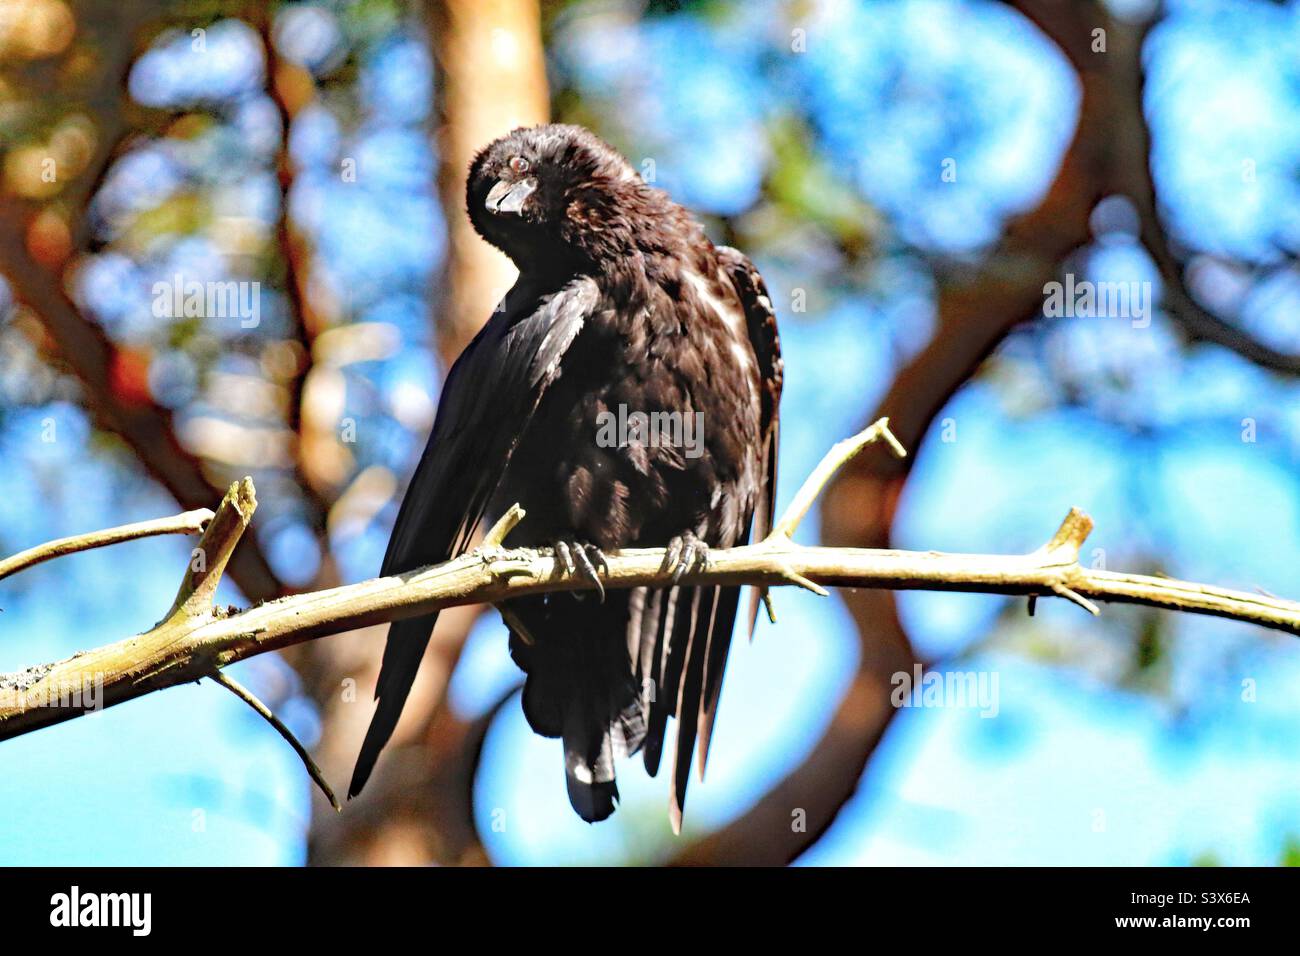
x,y
564,557
588,571
672,555
580,560
686,553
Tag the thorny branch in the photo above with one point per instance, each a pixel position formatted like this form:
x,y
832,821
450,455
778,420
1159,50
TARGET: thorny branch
x,y
196,639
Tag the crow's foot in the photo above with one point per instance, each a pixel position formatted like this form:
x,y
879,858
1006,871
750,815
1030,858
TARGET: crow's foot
x,y
580,560
686,553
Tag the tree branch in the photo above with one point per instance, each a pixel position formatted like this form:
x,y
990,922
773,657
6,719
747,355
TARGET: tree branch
x,y
249,698
189,522
197,639
836,458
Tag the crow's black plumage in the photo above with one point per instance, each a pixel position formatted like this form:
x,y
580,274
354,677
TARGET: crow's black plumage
x,y
622,306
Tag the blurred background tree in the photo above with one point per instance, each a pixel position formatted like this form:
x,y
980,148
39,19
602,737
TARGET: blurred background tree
x,y
909,174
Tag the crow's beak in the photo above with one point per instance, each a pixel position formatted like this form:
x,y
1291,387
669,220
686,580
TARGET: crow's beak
x,y
509,197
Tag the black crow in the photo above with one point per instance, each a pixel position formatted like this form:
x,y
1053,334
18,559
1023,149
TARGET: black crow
x,y
625,393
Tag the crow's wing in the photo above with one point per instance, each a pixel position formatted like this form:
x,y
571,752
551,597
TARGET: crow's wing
x,y
760,317
684,634
489,397
704,678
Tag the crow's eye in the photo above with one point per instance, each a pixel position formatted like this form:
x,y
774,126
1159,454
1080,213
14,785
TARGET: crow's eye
x,y
518,165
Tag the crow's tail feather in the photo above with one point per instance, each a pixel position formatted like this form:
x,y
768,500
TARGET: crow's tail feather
x,y
580,688
402,655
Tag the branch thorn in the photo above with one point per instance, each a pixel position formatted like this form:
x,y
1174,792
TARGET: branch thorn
x,y
1075,597
794,577
1069,537
216,546
496,535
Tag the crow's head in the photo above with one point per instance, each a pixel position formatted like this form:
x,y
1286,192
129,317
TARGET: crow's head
x,y
550,195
